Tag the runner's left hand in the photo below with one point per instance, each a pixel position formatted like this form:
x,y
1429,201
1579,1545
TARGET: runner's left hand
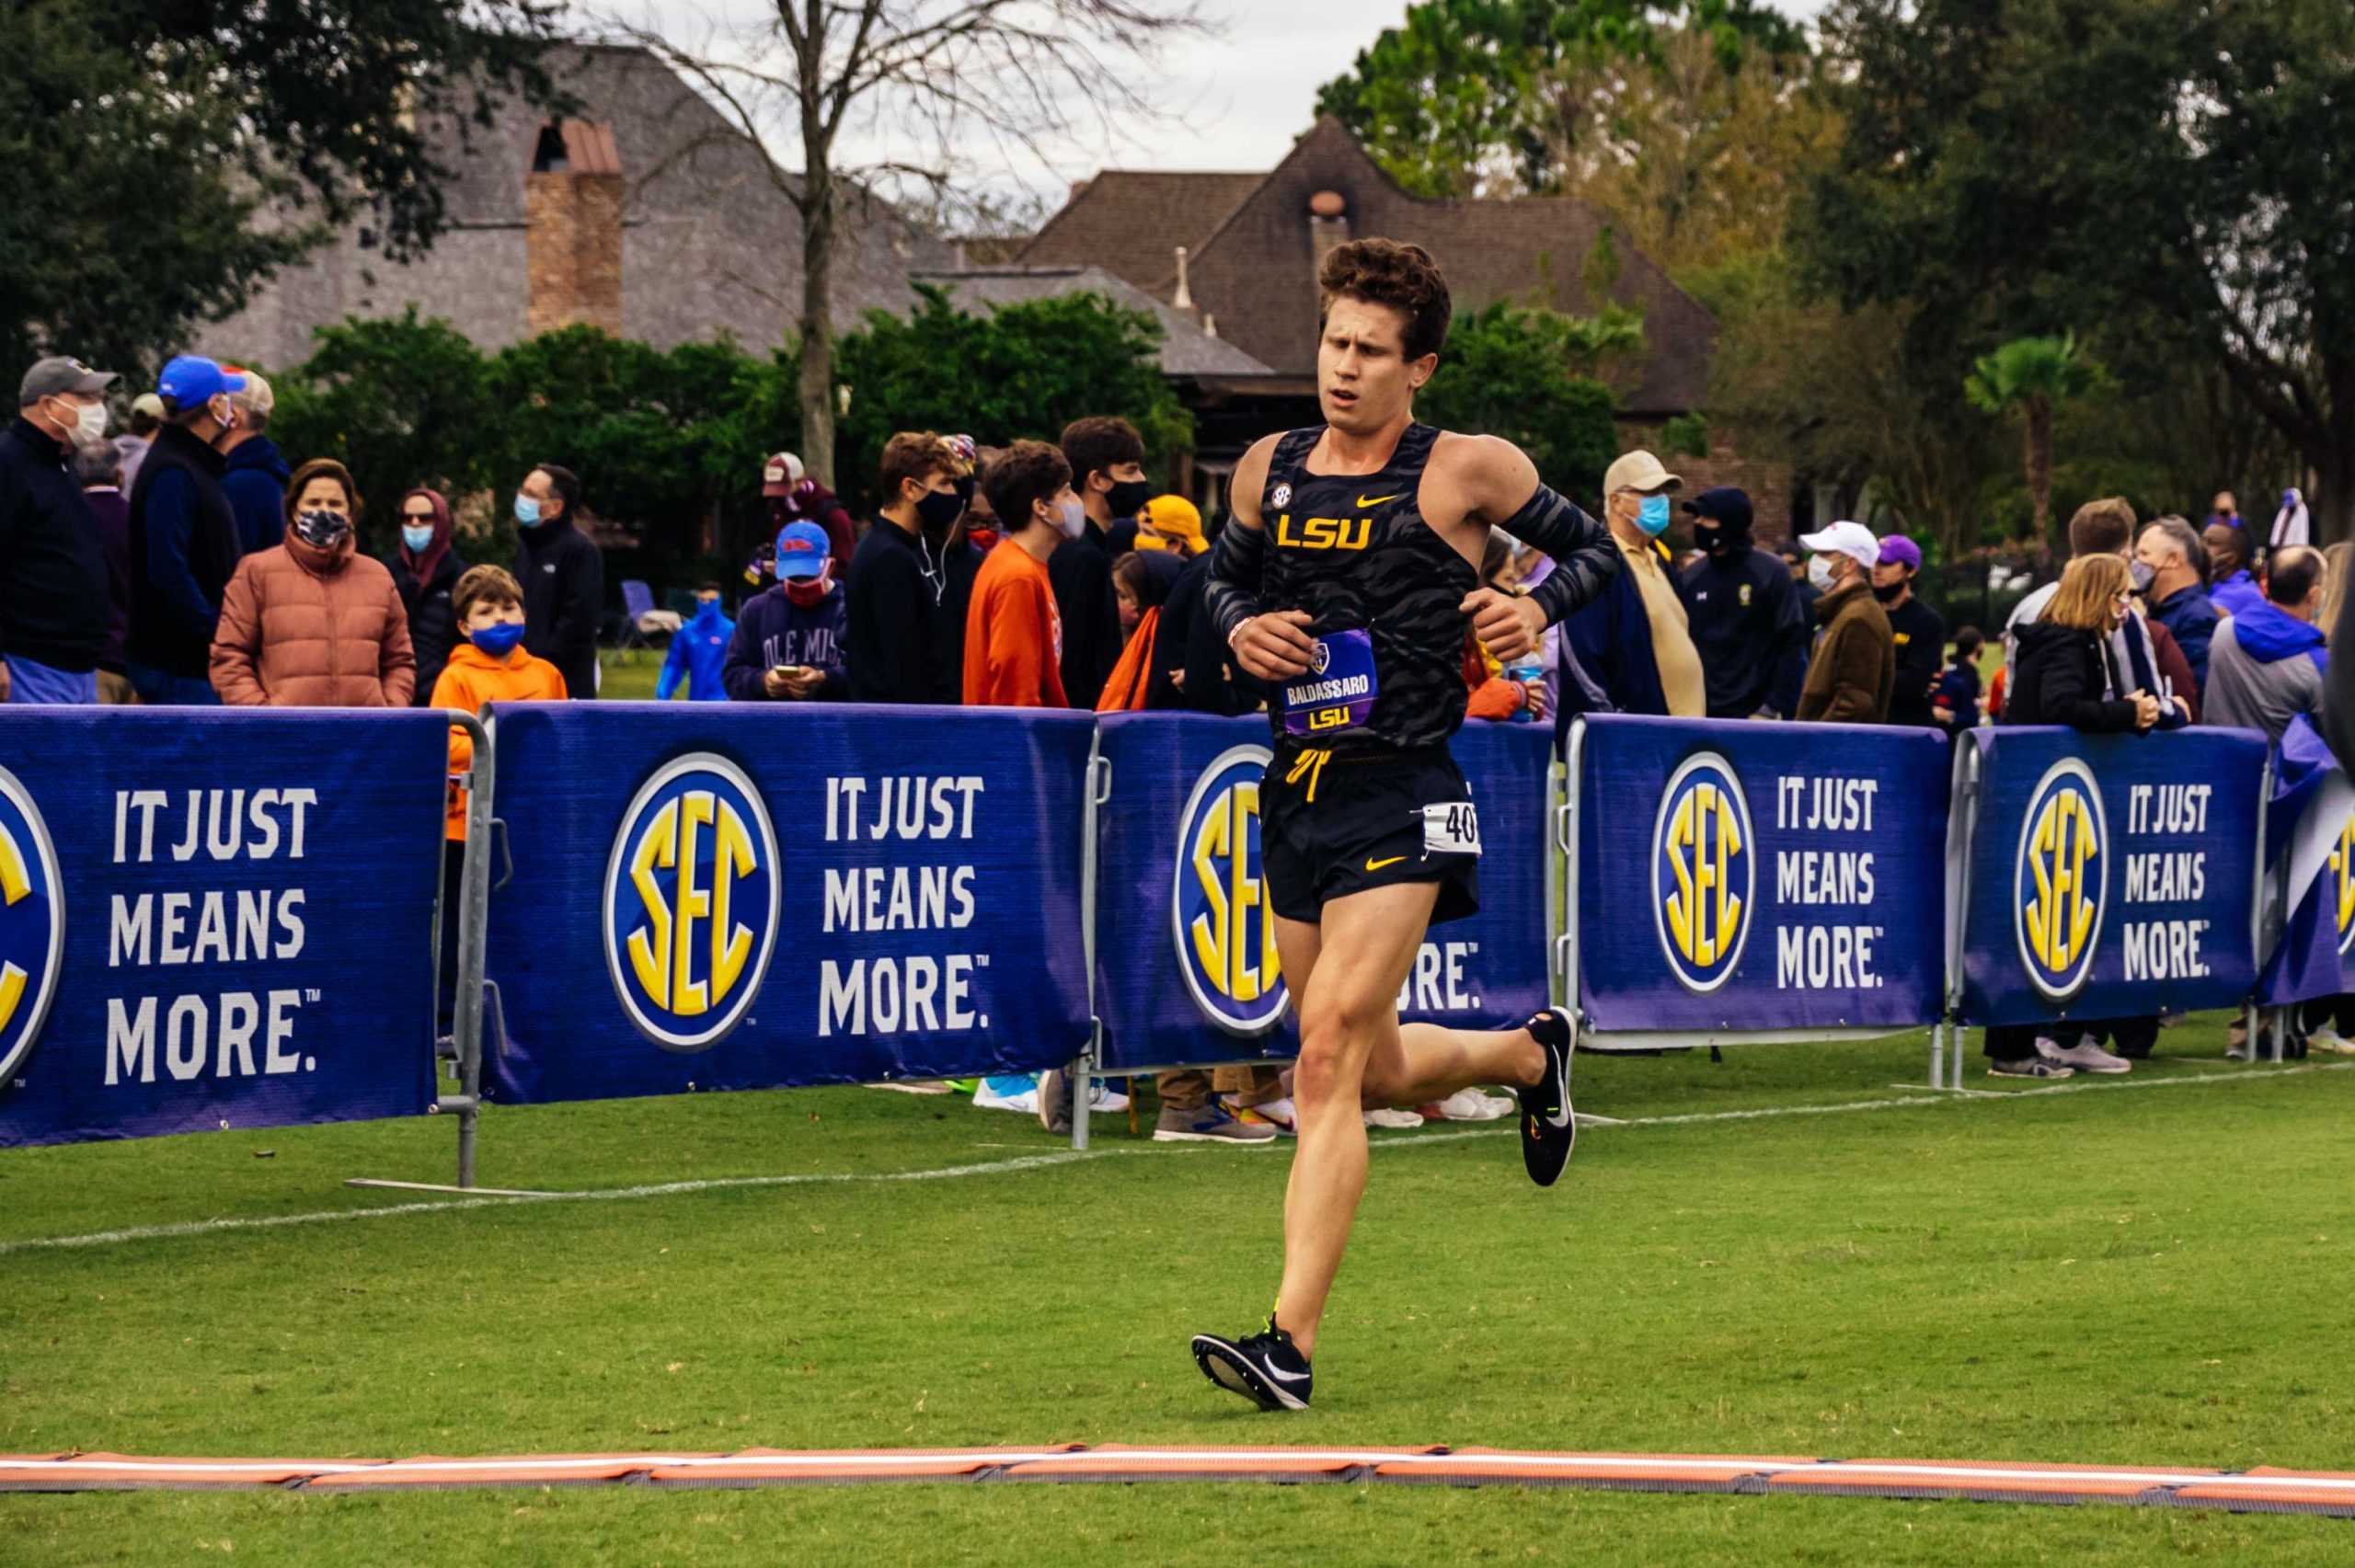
x,y
1507,628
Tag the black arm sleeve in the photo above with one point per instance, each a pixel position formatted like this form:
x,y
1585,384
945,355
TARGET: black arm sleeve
x,y
1238,564
1584,556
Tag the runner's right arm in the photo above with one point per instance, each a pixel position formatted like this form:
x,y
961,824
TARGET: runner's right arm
x,y
1273,647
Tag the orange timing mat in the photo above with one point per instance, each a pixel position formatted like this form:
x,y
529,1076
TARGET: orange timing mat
x,y
2264,1490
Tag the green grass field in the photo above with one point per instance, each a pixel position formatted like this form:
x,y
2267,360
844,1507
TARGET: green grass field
x,y
2139,1271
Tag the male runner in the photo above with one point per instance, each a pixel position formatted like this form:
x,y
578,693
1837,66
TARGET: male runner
x,y
1343,579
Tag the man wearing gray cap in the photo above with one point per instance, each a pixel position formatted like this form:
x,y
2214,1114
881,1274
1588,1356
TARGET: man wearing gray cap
x,y
52,572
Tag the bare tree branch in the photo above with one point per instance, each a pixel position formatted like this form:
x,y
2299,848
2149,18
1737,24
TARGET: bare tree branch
x,y
1011,77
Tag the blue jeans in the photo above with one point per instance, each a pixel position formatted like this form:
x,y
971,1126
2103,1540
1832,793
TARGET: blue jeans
x,y
39,683
158,689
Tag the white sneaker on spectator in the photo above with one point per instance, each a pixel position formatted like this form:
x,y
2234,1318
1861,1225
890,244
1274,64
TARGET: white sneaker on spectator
x,y
1396,1120
2329,1039
2048,1048
2087,1057
1013,1092
1467,1105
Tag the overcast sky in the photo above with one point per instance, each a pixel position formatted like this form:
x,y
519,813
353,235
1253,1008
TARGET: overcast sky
x,y
1251,88
1239,95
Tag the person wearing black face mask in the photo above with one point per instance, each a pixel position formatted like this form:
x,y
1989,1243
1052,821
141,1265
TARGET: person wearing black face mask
x,y
1921,635
892,621
1107,458
1746,618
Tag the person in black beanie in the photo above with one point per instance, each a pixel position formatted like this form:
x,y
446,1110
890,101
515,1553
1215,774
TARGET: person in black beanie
x,y
1745,615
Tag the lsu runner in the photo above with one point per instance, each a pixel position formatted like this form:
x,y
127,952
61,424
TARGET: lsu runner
x,y
1344,579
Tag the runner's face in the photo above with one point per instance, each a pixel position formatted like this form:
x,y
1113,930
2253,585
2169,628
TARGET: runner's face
x,y
1363,379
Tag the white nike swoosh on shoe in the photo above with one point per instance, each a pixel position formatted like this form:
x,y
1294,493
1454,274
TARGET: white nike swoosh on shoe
x,y
1287,1377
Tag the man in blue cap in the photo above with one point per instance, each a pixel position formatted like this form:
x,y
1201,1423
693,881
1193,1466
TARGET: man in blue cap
x,y
53,603
789,641
183,536
1920,634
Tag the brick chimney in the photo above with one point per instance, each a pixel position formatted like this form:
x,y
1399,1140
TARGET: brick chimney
x,y
1328,225
572,212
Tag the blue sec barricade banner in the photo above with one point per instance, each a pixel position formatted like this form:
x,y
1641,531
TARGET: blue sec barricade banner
x,y
2309,869
215,918
1747,877
2110,876
722,896
1186,954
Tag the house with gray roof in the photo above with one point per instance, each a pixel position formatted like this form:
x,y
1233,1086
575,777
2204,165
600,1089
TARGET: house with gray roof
x,y
1238,254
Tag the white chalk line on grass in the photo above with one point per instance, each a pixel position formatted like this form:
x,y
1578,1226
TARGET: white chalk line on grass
x,y
1068,1157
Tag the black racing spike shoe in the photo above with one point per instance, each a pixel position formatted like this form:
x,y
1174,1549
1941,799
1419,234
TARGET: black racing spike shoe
x,y
1264,1368
1548,1130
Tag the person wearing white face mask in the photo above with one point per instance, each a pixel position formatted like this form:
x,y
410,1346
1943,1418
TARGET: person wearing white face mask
x,y
1014,632
184,544
1855,668
53,599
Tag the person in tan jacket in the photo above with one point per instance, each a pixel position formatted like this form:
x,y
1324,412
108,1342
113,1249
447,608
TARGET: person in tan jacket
x,y
310,623
1854,668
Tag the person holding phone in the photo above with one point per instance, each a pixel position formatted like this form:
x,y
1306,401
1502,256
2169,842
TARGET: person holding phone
x,y
787,646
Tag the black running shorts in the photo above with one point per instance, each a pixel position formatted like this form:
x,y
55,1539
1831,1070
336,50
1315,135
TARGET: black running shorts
x,y
1332,825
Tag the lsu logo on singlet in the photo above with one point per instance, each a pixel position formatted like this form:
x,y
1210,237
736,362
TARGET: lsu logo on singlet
x,y
33,923
691,902
1224,931
2339,888
1326,532
1704,872
2059,879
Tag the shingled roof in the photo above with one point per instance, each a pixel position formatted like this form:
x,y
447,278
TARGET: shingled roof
x,y
1254,270
1130,223
1186,349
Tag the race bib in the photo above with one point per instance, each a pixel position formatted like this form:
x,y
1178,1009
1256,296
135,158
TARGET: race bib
x,y
1338,692
1452,829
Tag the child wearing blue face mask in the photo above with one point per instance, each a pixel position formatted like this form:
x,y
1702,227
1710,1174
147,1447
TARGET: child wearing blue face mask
x,y
487,665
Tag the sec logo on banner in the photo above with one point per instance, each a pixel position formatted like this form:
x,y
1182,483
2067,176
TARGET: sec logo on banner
x,y
1704,872
2059,879
1225,933
691,902
33,923
2343,883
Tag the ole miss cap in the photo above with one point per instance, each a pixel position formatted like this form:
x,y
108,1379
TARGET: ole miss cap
x,y
192,378
801,550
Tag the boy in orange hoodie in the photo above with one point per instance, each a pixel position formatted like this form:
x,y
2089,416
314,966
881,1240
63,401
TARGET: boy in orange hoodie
x,y
486,665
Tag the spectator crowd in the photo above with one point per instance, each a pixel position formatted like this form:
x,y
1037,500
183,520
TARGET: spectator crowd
x,y
188,561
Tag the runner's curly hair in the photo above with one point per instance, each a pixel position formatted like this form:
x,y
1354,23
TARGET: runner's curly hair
x,y
1384,272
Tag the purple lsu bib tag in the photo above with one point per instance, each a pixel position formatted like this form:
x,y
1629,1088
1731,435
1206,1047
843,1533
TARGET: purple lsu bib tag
x,y
1338,692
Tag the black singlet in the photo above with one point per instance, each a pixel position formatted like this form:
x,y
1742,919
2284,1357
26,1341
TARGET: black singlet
x,y
1354,552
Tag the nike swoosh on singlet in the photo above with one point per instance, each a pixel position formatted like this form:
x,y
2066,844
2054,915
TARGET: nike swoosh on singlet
x,y
1378,501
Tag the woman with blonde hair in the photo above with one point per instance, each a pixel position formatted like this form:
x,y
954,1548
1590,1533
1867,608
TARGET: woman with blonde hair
x,y
2335,560
2063,673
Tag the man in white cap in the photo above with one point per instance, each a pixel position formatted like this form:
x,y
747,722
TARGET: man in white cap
x,y
1854,666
